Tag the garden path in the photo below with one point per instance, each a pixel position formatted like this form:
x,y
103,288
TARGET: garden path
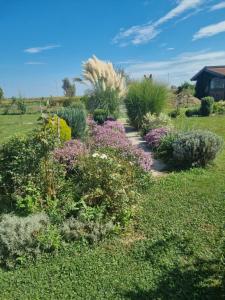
x,y
158,167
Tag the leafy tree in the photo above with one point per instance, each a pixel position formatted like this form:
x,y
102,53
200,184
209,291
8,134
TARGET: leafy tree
x,y
186,88
69,88
1,93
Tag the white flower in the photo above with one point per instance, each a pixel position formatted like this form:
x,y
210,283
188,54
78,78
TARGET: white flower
x,y
95,154
103,156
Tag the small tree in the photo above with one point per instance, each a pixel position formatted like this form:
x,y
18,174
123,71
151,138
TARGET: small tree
x,y
69,88
1,93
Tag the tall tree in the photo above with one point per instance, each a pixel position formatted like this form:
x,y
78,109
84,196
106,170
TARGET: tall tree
x,y
69,88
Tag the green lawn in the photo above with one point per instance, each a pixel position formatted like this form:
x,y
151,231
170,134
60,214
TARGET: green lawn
x,y
174,250
12,124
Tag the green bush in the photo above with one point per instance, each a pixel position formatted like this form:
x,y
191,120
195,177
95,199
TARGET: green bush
x,y
105,99
144,97
153,121
190,149
59,127
68,102
75,116
78,229
206,108
106,187
192,112
19,237
100,116
219,107
165,148
175,113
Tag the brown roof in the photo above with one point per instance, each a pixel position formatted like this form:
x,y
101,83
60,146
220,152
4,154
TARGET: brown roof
x,y
219,70
216,70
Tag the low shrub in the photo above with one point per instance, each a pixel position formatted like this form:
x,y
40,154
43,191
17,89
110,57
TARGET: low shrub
x,y
190,149
144,97
175,113
153,121
59,128
112,135
192,112
219,107
154,137
75,116
165,148
206,108
100,116
19,237
74,229
196,148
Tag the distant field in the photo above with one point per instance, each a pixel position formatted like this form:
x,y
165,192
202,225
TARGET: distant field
x,y
13,124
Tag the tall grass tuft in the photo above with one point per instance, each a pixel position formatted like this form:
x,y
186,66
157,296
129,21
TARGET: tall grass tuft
x,y
144,97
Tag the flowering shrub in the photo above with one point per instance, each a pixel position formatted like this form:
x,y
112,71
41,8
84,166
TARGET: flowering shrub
x,y
153,121
154,137
70,153
106,186
112,134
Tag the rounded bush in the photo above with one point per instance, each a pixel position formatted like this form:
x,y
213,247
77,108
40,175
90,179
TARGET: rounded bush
x,y
100,116
60,128
206,108
190,149
196,148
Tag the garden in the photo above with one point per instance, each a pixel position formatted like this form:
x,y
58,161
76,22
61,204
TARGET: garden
x,y
83,217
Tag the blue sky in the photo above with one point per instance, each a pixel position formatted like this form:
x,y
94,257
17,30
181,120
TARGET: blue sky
x,y
43,41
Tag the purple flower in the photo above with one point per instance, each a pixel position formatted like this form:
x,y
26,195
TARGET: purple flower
x,y
112,134
70,153
154,137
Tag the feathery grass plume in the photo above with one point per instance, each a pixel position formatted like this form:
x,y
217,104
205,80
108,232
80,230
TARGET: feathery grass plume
x,y
99,72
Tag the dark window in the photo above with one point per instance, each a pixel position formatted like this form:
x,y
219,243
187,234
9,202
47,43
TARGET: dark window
x,y
217,83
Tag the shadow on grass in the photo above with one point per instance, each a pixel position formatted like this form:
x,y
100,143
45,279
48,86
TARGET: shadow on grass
x,y
200,279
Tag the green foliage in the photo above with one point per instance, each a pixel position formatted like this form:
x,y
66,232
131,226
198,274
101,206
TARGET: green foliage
x,y
106,99
18,237
153,121
59,127
1,93
186,88
219,107
144,97
190,149
21,106
68,87
100,116
75,116
84,230
68,102
106,187
192,112
206,106
175,113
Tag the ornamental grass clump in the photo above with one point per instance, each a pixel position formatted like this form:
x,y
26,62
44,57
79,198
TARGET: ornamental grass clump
x,y
144,97
112,135
154,137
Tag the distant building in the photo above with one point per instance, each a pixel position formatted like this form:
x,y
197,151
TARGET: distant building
x,y
210,81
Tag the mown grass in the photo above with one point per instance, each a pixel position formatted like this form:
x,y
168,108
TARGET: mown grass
x,y
16,124
173,252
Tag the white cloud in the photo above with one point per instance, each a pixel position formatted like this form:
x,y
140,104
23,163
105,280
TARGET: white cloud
x,y
170,49
210,30
218,6
178,69
141,34
40,49
34,63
